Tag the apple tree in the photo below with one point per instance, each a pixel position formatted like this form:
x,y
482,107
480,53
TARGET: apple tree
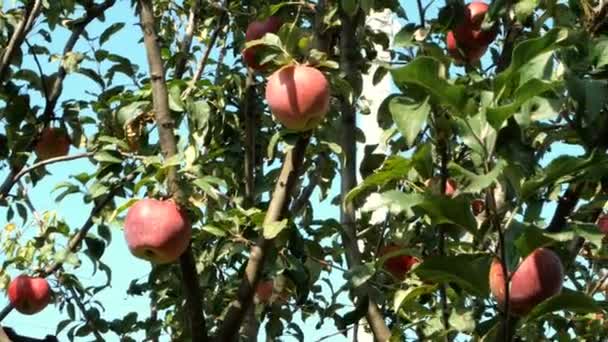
x,y
239,161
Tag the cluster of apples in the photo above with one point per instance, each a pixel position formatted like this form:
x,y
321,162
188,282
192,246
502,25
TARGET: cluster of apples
x,y
467,43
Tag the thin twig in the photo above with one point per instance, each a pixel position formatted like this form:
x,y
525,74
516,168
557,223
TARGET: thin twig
x,y
200,69
42,77
85,314
421,12
184,51
51,161
31,12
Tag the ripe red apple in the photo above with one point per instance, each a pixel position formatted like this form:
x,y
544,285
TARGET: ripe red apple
x,y
397,265
462,54
257,30
53,142
298,96
157,231
602,224
478,206
29,295
263,291
435,185
468,32
539,277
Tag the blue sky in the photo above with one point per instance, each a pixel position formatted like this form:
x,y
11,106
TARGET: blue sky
x,y
125,268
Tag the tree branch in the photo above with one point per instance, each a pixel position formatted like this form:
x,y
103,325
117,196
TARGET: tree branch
x,y
83,310
184,51
349,55
200,69
276,210
168,143
31,12
250,130
77,238
55,92
302,200
444,177
565,206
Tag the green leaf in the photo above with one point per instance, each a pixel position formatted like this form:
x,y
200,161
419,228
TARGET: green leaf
x,y
470,271
132,111
409,116
405,297
431,75
527,91
213,230
206,185
95,247
561,169
599,52
568,300
462,320
199,114
67,257
394,168
175,99
528,50
360,274
445,210
476,183
396,201
71,61
272,229
92,74
524,8
111,30
108,157
588,231
405,37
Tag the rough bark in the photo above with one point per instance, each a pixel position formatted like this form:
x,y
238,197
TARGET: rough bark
x,y
168,143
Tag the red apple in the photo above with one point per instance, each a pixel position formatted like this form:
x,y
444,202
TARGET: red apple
x,y
29,295
298,96
263,291
461,54
602,224
397,265
53,142
468,32
435,185
478,206
257,30
157,231
539,277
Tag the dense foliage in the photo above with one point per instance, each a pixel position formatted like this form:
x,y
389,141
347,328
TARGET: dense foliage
x,y
490,158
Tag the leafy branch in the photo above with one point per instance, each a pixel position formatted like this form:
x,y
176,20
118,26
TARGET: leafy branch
x,y
281,195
